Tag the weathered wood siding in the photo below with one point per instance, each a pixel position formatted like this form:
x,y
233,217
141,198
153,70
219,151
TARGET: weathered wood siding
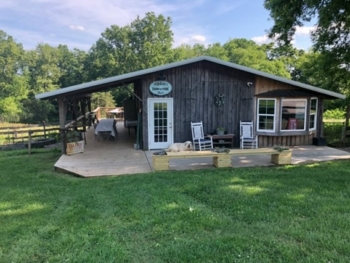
x,y
270,141
195,87
264,84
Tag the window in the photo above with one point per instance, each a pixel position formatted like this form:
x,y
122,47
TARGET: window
x,y
266,115
293,114
313,114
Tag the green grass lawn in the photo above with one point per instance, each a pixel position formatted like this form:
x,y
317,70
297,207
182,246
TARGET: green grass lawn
x,y
282,214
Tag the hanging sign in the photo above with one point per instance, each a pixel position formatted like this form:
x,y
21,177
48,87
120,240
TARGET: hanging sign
x,y
160,87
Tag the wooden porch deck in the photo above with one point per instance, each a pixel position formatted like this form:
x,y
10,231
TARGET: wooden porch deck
x,y
118,157
104,158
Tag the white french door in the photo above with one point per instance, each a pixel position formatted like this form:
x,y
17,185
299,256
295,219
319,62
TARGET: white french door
x,y
160,123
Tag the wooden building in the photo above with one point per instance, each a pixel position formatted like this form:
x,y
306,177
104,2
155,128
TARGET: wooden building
x,y
216,92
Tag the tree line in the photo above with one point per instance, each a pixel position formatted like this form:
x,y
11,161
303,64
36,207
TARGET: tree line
x,y
145,42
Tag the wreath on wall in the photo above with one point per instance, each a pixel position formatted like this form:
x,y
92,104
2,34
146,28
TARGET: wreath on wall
x,y
220,99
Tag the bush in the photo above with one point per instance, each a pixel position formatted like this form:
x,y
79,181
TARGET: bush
x,y
336,114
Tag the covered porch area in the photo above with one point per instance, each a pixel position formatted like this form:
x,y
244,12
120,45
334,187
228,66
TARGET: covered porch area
x,y
115,156
118,157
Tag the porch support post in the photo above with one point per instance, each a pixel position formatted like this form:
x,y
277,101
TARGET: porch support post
x,y
62,120
320,128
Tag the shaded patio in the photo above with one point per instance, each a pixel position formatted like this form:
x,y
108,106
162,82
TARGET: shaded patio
x,y
118,157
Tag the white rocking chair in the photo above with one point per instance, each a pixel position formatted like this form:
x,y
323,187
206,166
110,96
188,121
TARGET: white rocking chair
x,y
200,142
247,138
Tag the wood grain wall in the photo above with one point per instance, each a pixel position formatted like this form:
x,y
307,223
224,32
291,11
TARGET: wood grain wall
x,y
270,141
195,87
263,84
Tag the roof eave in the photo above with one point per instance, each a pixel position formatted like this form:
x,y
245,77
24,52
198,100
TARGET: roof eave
x,y
104,82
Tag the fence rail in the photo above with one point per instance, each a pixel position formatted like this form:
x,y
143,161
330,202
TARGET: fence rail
x,y
16,135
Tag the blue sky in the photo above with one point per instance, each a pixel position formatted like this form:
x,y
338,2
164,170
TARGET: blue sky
x,y
79,23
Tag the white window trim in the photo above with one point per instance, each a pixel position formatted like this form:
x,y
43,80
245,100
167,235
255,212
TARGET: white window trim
x,y
305,112
314,128
274,116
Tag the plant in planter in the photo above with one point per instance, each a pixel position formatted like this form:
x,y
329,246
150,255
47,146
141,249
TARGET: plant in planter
x,y
280,148
220,130
284,156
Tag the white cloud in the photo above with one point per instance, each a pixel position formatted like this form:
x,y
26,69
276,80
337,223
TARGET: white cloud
x,y
198,38
224,7
197,21
299,41
262,39
304,31
79,28
189,39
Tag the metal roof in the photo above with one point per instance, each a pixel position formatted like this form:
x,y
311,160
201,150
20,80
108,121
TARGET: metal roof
x,y
86,87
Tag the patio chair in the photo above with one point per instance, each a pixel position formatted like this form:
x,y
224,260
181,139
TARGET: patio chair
x,y
104,135
247,137
200,142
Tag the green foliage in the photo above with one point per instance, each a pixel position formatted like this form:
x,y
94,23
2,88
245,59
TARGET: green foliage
x,y
336,114
331,34
121,93
102,99
147,42
37,111
187,51
278,214
44,70
333,132
72,66
13,82
240,51
144,43
247,53
9,110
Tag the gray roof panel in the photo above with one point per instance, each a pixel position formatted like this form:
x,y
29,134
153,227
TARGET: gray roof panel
x,y
103,82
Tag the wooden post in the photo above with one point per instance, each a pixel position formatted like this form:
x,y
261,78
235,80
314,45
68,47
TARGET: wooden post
x,y
63,134
62,119
44,129
29,142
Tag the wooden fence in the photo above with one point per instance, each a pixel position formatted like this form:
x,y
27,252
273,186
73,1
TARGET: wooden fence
x,y
21,134
32,134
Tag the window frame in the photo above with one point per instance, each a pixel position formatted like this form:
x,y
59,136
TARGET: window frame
x,y
274,115
316,114
305,115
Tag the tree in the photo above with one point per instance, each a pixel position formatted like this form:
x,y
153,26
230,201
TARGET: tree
x,y
314,68
44,69
331,36
332,32
13,80
143,44
247,53
186,51
71,65
102,99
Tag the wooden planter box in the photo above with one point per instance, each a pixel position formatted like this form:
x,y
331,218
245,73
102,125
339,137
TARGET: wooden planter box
x,y
283,157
